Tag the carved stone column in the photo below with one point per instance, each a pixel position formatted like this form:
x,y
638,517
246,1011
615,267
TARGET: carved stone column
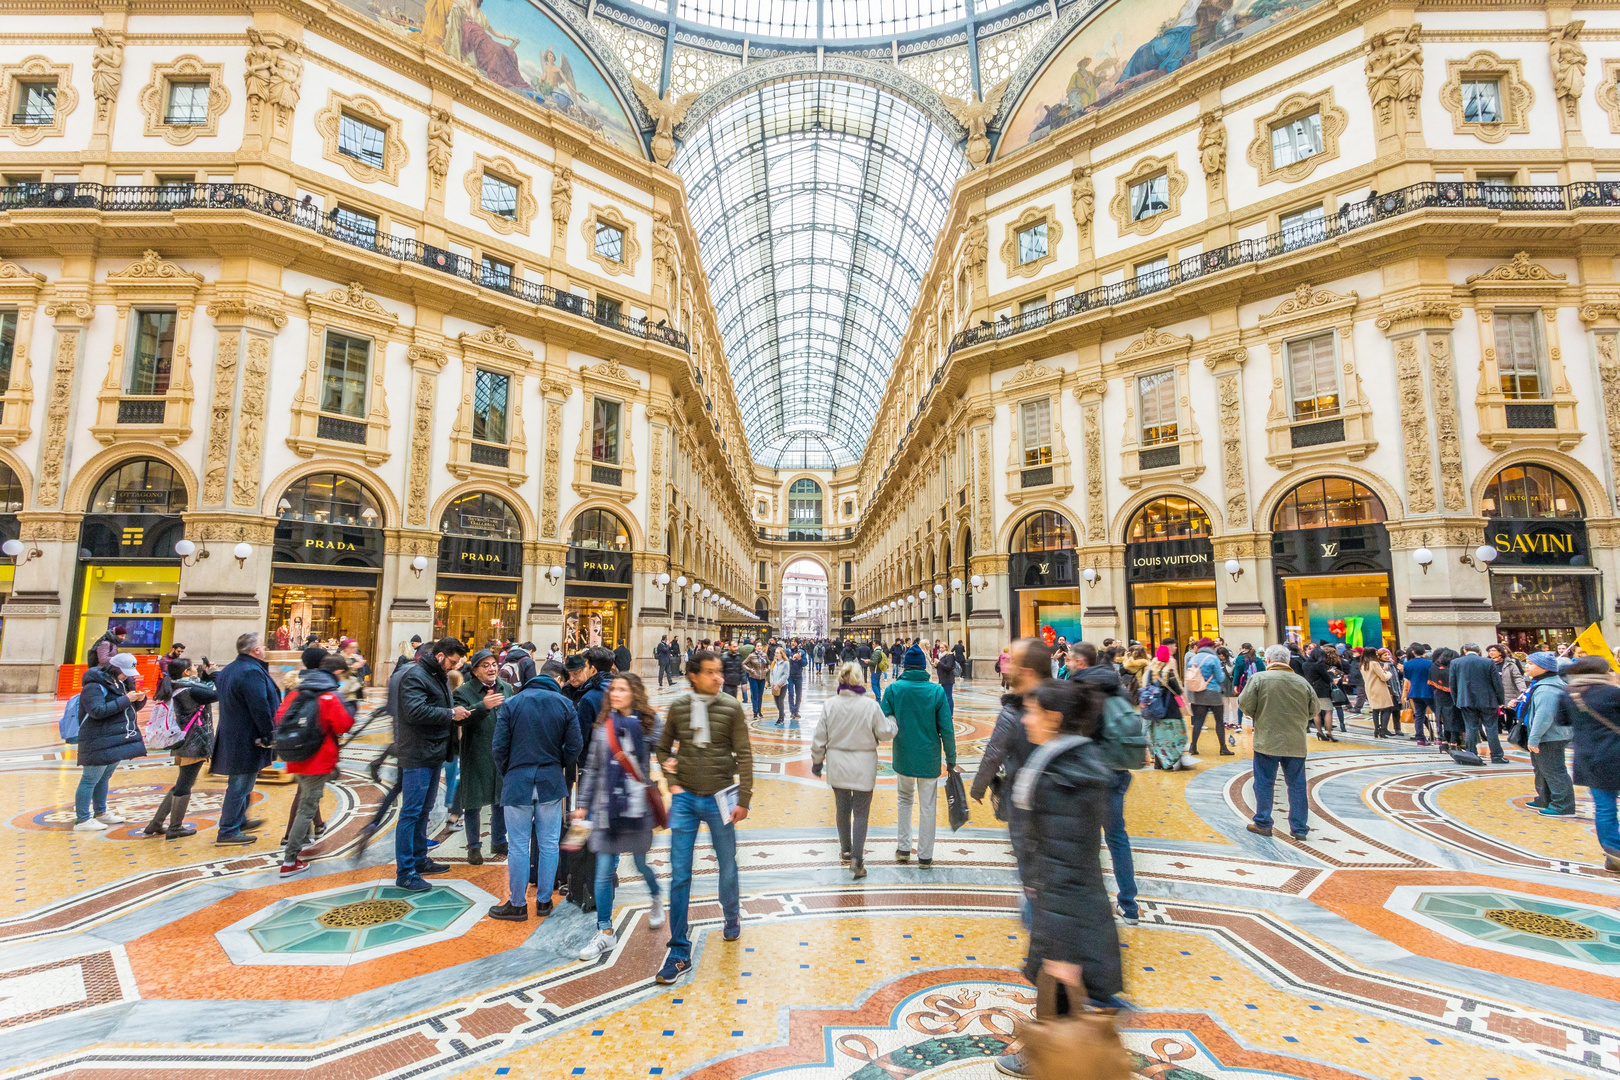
x,y
411,611
1242,604
543,618
651,618
233,458
554,391
220,598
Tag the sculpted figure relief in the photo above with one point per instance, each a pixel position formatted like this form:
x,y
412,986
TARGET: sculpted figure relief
x,y
106,70
1568,64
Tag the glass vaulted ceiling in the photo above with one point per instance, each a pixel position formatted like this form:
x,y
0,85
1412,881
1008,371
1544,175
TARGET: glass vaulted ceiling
x,y
817,203
822,18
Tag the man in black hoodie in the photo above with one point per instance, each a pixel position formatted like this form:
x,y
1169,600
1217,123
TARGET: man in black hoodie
x,y
1085,667
1029,662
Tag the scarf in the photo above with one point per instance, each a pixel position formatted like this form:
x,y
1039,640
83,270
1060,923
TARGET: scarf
x,y
627,799
700,718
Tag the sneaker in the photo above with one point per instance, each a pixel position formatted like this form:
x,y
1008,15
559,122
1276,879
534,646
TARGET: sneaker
x,y
1014,1065
236,839
926,864
1533,805
107,817
1548,811
1128,918
412,884
601,943
289,869
509,912
89,825
732,933
253,824
431,844
672,970
475,857
432,867
902,856
1260,830
655,916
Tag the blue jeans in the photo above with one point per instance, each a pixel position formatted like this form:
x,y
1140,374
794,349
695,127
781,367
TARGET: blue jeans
x,y
607,878
417,788
522,822
1420,716
1608,825
686,812
756,695
452,777
93,781
877,682
795,693
233,811
1265,787
1119,841
950,695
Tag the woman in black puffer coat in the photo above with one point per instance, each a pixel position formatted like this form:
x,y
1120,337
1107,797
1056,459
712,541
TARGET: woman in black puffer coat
x,y
108,734
193,704
1063,791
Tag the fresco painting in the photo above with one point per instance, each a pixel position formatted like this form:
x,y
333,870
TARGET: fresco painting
x,y
1127,46
518,46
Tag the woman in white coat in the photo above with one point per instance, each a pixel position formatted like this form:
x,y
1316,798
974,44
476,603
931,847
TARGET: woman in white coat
x,y
846,746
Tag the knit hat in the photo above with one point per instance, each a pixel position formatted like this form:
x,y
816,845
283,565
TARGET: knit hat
x,y
915,659
312,657
1546,661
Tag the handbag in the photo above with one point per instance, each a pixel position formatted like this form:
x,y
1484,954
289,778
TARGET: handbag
x,y
655,797
1079,1044
955,799
160,729
1338,696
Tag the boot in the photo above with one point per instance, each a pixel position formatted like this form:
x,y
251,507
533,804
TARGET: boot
x,y
177,819
155,826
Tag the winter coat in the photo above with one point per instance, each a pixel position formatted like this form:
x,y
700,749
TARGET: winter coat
x,y
536,736
424,737
588,706
1474,683
1006,751
1547,715
1416,671
248,700
797,659
923,715
1283,705
1376,677
1072,918
480,783
755,667
108,730
727,758
846,741
661,652
945,665
731,668
594,793
1214,674
897,655
960,654
1597,745
1321,677
190,696
335,721
781,674
1511,676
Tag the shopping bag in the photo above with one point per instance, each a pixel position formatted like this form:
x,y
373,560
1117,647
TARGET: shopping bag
x,y
1080,1044
956,799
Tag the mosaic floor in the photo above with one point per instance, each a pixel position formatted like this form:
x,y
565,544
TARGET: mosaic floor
x,y
1431,928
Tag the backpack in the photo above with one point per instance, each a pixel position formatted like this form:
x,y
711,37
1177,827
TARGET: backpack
x,y
1122,740
68,725
299,735
1153,699
1196,683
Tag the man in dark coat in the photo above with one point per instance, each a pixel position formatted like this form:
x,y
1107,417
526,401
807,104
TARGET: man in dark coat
x,y
243,744
599,672
1477,690
731,668
423,745
621,657
108,734
1009,747
1086,667
479,785
661,655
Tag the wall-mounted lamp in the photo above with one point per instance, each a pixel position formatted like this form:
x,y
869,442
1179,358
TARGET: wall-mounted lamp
x,y
554,574
939,590
14,548
1423,556
1091,575
243,552
661,582
978,583
1234,569
956,584
680,582
1481,559
418,565
189,555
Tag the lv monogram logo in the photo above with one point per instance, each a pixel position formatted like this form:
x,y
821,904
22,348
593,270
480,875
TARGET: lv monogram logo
x,y
1330,551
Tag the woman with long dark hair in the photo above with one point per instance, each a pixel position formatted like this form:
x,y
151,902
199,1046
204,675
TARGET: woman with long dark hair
x,y
192,701
613,795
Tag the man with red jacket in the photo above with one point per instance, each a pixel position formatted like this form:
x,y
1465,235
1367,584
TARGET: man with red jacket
x,y
313,772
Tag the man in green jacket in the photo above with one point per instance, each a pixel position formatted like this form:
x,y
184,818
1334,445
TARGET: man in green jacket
x,y
706,753
1282,704
480,782
923,714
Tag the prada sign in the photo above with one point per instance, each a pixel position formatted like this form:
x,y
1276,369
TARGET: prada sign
x,y
593,564
481,557
1170,560
1343,549
1538,542
313,543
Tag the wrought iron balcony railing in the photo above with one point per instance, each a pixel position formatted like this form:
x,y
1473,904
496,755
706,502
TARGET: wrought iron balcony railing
x,y
258,200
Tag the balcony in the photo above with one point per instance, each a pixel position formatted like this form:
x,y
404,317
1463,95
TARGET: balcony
x,y
606,474
486,454
141,410
1159,457
1529,416
284,208
339,429
1320,433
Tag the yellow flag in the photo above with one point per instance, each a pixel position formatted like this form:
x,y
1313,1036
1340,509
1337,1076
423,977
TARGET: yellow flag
x,y
1592,643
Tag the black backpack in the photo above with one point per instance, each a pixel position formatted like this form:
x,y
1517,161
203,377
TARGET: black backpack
x,y
299,735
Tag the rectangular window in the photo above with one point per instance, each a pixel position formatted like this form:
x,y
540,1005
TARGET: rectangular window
x,y
849,508
1518,353
1497,179
764,575
1303,227
496,273
343,384
152,357
608,309
961,459
1482,101
1313,374
8,347
1031,310
759,508
1032,243
849,573
353,226
188,103
610,242
605,432
36,103
1157,394
1151,196
1153,273
1296,140
499,196
1036,427
489,406
361,140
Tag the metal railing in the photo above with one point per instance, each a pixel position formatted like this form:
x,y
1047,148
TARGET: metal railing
x,y
1351,217
262,201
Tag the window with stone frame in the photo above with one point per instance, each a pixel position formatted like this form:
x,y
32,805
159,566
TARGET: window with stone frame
x,y
36,102
1313,377
490,393
1482,101
499,196
151,353
188,103
344,375
1150,196
1519,354
362,140
1156,393
8,347
609,242
605,431
1032,243
1296,139
1035,431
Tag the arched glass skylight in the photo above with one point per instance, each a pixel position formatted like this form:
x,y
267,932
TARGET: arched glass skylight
x,y
817,202
821,18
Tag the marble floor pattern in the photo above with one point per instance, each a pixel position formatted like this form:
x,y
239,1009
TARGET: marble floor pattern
x,y
1430,928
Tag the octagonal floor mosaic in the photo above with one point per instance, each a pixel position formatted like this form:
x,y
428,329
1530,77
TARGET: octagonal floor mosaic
x,y
352,924
1545,928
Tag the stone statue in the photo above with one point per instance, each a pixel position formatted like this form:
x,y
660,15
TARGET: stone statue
x,y
976,248
261,62
974,114
106,70
1084,194
562,197
1568,65
1407,61
667,111
1212,146
440,137
286,77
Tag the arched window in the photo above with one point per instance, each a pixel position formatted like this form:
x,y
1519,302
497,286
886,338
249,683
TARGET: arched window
x,y
849,608
1327,503
804,507
1531,491
600,530
139,486
330,499
483,515
762,610
1046,530
1169,518
11,490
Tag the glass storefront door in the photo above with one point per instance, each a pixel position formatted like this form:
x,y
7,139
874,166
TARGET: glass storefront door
x,y
1180,611
474,618
331,614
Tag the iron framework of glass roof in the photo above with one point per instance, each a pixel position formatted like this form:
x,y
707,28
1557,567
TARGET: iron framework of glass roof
x,y
817,202
821,19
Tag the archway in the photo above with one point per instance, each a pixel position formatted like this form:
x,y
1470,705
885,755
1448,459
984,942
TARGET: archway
x,y
804,599
1330,558
1543,584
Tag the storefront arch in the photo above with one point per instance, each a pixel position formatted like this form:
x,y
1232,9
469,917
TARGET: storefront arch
x,y
1004,542
1544,587
1170,566
1394,507
1043,576
1127,514
331,497
1169,517
1331,562
635,541
387,505
1327,502
1596,499
92,472
525,513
